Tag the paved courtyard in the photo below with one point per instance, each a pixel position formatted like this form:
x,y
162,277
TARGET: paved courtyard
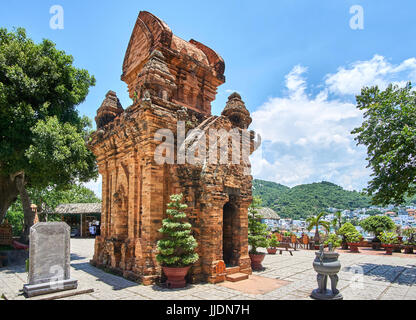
x,y
363,277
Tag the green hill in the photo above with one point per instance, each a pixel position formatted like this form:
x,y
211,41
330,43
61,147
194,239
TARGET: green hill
x,y
301,201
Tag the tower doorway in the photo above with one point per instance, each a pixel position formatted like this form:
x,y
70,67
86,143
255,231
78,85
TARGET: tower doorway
x,y
229,226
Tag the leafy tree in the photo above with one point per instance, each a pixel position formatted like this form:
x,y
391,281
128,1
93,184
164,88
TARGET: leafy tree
x,y
377,224
389,133
257,231
273,242
346,228
177,248
47,200
42,136
316,222
334,240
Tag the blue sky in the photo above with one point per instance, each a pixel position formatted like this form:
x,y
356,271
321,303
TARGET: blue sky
x,y
296,63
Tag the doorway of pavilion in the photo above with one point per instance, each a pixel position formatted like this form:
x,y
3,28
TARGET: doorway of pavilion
x,y
230,245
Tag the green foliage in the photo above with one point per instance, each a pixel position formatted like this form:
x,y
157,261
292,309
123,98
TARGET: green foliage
x,y
16,219
389,133
309,199
41,132
410,234
177,248
257,231
377,224
273,242
346,228
388,238
47,200
353,237
316,222
334,240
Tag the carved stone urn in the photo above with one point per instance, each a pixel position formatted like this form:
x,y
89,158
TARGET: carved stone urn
x,y
326,264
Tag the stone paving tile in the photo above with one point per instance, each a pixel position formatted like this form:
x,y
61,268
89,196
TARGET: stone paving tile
x,y
384,278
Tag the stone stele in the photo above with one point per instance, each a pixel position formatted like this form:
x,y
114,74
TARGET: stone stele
x,y
49,259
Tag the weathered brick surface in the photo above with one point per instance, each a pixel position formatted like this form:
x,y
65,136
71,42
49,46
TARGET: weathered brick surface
x,y
170,80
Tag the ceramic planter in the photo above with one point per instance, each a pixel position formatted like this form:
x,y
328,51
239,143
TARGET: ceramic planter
x,y
376,245
354,246
271,250
176,277
256,260
408,249
389,248
397,248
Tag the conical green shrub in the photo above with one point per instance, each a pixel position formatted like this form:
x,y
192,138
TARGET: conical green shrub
x,y
177,248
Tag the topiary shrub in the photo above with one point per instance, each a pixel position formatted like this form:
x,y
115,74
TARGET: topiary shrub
x,y
177,248
377,225
257,231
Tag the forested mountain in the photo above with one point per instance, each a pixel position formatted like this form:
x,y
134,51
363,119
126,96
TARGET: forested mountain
x,y
301,201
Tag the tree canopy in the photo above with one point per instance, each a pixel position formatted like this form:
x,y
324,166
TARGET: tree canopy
x,y
377,224
389,133
42,135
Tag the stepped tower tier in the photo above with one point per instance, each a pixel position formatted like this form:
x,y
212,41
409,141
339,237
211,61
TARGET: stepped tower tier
x,y
187,73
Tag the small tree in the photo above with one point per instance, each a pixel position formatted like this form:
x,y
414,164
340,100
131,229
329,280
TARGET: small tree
x,y
377,224
257,231
315,222
177,248
273,242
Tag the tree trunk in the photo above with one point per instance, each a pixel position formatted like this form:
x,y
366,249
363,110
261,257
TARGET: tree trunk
x,y
317,238
8,194
29,215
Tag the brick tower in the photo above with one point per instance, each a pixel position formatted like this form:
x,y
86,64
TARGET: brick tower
x,y
172,83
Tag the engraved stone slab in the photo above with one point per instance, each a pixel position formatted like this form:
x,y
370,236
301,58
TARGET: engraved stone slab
x,y
49,259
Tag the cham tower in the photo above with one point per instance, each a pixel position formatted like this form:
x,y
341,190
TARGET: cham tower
x,y
171,82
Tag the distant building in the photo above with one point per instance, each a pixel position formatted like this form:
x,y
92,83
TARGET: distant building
x,y
269,217
411,212
81,217
391,213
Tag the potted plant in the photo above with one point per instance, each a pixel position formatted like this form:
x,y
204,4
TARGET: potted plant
x,y
334,240
409,243
388,239
177,248
345,228
377,225
273,244
316,222
257,235
353,240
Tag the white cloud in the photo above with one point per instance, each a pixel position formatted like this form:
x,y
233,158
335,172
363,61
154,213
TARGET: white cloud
x,y
377,71
308,138
95,186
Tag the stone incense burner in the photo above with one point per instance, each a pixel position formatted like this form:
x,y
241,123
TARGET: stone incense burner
x,y
326,264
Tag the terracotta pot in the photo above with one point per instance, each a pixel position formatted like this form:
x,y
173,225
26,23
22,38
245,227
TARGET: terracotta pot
x,y
397,248
271,250
176,277
389,248
256,260
354,247
376,245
